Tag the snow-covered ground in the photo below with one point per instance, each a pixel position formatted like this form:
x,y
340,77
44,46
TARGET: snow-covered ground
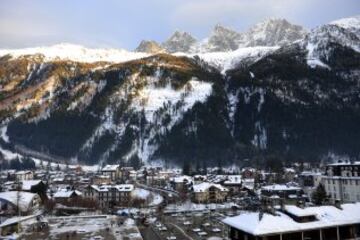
x,y
9,155
151,198
88,227
152,98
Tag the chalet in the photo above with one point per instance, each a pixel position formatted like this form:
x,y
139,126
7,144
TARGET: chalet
x,y
209,193
32,185
181,183
17,201
66,195
283,193
233,183
294,223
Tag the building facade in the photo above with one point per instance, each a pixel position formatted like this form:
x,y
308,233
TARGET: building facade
x,y
209,193
109,196
342,181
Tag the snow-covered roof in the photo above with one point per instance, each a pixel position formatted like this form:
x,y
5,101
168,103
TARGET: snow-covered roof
x,y
344,163
308,173
181,179
299,212
280,187
110,168
14,197
289,170
66,193
327,216
27,184
120,187
233,179
202,187
23,172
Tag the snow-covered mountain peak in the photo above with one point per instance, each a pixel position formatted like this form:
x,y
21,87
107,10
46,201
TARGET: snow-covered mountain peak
x,y
179,41
221,39
350,22
319,41
74,52
273,32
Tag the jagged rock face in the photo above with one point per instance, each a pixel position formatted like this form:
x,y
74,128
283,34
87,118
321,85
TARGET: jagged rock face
x,y
179,42
222,39
149,47
273,32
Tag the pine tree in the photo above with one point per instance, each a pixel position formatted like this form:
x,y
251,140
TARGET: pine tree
x,y
186,168
319,195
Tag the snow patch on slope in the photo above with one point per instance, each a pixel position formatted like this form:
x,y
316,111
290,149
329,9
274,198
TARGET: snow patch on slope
x,y
227,60
152,99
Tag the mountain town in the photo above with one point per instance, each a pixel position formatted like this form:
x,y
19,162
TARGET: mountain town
x,y
248,133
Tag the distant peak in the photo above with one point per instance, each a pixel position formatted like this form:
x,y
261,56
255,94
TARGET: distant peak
x,y
221,28
179,41
149,46
179,33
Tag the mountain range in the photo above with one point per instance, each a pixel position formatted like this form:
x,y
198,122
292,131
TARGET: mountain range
x,y
271,32
276,90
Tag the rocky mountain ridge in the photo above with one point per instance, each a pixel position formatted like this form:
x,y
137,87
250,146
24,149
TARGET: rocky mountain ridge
x,y
271,32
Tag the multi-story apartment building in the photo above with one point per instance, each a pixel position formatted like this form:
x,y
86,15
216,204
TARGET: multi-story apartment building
x,y
342,181
113,171
109,196
209,192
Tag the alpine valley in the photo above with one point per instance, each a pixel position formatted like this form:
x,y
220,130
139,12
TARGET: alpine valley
x,y
276,90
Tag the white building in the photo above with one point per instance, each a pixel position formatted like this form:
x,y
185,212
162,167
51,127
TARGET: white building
x,y
294,223
110,195
342,181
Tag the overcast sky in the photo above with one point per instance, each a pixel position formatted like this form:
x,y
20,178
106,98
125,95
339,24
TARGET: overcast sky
x,y
124,23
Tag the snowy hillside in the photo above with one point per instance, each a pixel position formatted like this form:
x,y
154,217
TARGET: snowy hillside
x,y
77,53
227,60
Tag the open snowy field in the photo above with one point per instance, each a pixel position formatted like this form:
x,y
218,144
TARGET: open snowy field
x,y
88,227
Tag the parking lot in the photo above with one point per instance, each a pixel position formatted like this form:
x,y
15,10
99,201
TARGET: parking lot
x,y
197,226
